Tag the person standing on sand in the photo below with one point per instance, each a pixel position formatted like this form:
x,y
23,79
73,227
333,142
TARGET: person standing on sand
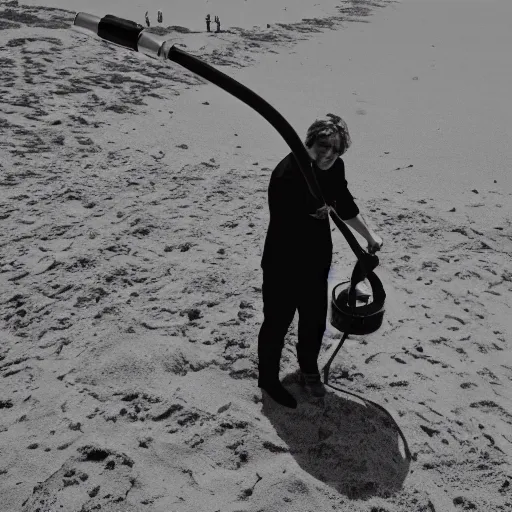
x,y
297,255
208,21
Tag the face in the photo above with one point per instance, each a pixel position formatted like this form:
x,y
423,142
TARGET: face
x,y
325,151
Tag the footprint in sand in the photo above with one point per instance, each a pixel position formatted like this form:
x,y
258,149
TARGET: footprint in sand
x,y
97,478
490,407
464,503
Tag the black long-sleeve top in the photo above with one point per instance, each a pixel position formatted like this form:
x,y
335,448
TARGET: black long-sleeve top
x,y
295,240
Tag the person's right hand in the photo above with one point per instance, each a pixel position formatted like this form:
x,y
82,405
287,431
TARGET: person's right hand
x,y
374,244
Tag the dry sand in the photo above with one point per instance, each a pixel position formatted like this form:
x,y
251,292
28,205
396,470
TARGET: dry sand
x,y
134,209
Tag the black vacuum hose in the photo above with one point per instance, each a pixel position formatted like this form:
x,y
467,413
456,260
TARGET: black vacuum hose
x,y
131,35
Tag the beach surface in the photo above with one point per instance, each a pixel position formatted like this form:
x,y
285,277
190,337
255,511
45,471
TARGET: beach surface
x,y
133,207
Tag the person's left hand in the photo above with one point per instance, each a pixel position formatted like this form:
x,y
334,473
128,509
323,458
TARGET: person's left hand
x,y
322,212
374,243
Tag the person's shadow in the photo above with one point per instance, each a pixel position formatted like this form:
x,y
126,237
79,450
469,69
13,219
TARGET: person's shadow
x,y
350,446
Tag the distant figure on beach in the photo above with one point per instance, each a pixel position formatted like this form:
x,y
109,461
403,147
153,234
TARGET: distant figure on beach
x,y
208,21
217,20
297,256
160,17
147,19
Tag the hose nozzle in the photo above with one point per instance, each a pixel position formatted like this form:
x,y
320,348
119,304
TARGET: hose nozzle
x,y
87,22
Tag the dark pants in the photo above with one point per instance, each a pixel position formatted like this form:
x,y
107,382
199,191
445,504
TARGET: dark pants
x,y
283,294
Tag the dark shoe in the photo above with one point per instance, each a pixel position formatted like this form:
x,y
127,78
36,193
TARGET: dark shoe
x,y
278,393
313,383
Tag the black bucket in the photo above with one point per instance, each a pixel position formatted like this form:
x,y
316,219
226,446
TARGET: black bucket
x,y
349,318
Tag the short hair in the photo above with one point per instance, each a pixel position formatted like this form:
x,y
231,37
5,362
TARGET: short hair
x,y
325,127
